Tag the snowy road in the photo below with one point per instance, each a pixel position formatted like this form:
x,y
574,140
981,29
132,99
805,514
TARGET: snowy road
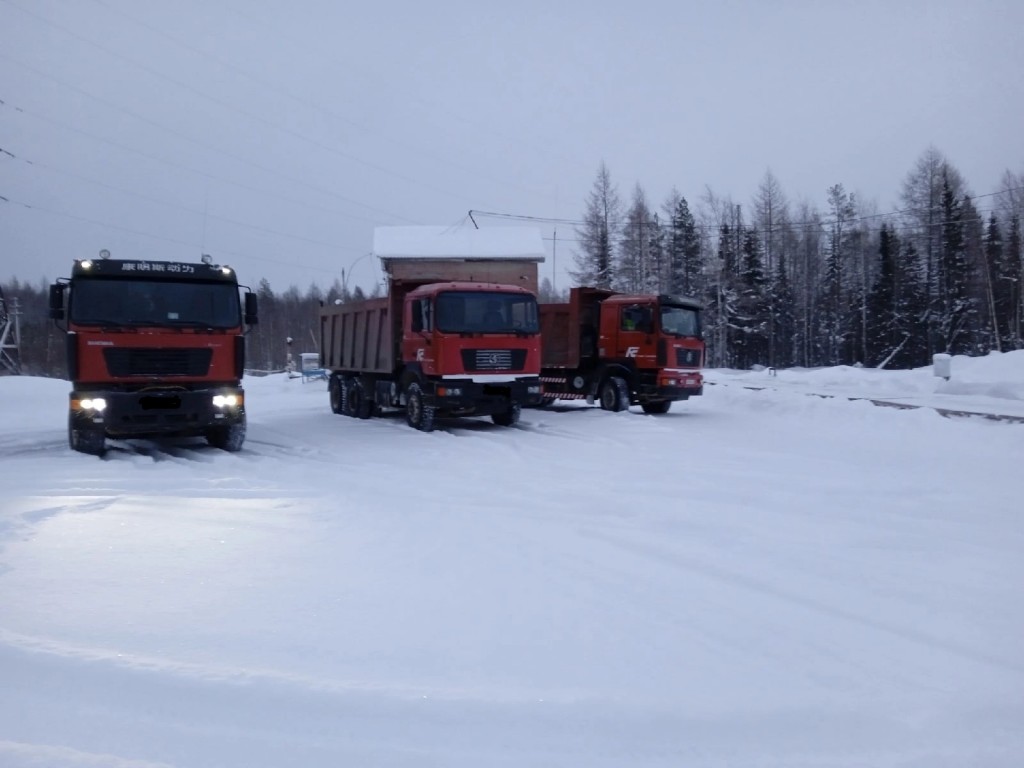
x,y
757,578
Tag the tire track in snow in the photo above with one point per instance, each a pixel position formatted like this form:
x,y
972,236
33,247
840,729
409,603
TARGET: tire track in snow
x,y
749,584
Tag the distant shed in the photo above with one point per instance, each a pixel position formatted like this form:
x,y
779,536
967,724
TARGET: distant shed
x,y
507,255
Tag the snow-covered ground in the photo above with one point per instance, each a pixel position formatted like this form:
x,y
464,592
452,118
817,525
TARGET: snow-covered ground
x,y
758,578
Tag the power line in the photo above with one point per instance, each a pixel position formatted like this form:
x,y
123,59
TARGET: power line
x,y
140,196
196,171
223,104
180,135
229,65
788,226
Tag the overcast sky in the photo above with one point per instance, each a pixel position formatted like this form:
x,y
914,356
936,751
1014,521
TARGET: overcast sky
x,y
276,135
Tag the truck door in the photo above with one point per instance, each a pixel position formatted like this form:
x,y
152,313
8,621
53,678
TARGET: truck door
x,y
418,335
635,337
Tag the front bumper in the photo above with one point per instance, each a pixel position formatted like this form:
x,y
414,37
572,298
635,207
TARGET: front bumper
x,y
670,386
152,412
465,397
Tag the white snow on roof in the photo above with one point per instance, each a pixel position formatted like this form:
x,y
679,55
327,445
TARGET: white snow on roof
x,y
433,242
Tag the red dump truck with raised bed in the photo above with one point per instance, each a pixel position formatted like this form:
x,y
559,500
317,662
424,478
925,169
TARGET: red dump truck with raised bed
x,y
154,348
620,349
457,333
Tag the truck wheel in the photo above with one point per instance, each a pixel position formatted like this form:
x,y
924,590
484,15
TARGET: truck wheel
x,y
334,389
660,406
356,402
418,415
229,438
91,441
614,394
507,418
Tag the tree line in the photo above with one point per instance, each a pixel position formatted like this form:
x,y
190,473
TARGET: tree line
x,y
792,285
783,284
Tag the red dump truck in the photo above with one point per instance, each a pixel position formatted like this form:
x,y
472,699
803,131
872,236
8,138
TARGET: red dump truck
x,y
457,334
154,348
621,350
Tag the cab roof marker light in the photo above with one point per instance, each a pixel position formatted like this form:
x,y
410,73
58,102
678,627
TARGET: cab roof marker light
x,y
86,264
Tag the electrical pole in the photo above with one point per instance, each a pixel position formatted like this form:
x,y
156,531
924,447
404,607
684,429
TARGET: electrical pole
x,y
554,263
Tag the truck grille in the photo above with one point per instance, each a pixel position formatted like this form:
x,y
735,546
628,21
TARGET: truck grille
x,y
688,357
158,362
493,359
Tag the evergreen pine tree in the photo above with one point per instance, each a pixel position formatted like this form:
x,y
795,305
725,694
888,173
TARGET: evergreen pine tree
x,y
953,304
682,249
884,339
833,312
782,313
749,324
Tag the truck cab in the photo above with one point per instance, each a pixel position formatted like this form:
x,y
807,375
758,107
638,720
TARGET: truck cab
x,y
154,348
656,342
476,347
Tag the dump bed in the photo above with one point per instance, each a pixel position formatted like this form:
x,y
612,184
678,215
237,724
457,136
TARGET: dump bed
x,y
361,336
569,331
560,334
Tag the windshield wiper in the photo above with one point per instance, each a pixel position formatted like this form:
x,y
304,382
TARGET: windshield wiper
x,y
193,324
108,325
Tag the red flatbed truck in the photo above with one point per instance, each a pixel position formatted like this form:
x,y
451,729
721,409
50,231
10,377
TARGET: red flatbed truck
x,y
154,348
621,350
456,335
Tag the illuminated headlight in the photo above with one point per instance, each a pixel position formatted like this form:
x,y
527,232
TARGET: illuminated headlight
x,y
533,389
93,404
225,401
226,270
86,264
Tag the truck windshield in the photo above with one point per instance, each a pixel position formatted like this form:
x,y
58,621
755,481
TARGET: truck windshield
x,y
486,312
112,302
680,321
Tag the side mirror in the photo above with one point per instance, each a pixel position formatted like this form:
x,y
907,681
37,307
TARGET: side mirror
x,y
251,314
57,301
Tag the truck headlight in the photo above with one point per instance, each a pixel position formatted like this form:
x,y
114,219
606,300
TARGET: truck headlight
x,y
92,404
225,401
534,389
449,391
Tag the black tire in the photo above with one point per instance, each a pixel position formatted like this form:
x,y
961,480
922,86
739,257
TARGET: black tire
x,y
90,441
507,418
614,394
336,391
659,407
357,404
229,438
418,415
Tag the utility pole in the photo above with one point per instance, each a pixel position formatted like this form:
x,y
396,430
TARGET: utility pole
x,y
554,262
